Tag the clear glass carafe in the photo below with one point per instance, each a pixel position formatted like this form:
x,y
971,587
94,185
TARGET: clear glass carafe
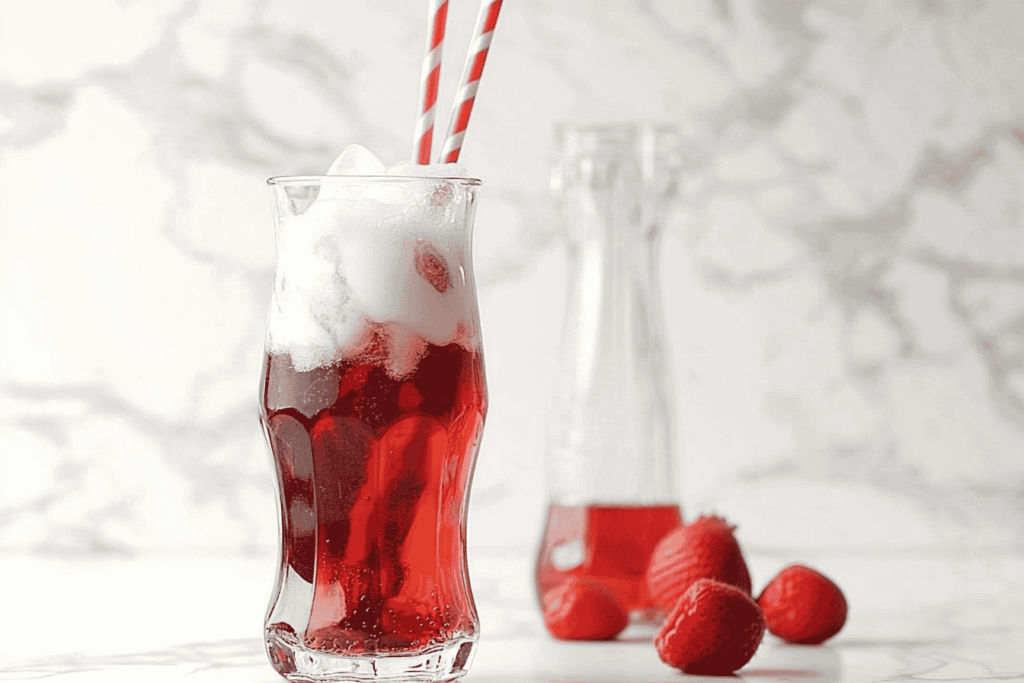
x,y
610,471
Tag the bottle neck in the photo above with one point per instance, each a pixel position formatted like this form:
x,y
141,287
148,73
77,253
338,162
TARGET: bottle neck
x,y
609,435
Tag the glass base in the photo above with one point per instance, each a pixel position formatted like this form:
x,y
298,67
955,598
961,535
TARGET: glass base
x,y
296,662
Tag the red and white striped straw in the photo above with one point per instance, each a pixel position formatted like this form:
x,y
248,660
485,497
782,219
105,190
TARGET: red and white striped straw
x,y
486,20
429,77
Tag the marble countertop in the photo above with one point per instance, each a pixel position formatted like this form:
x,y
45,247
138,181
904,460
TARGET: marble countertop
x,y
842,291
935,617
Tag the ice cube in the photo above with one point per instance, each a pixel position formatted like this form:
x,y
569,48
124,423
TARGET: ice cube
x,y
406,349
308,392
356,160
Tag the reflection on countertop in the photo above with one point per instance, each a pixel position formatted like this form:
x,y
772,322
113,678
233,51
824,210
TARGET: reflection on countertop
x,y
937,617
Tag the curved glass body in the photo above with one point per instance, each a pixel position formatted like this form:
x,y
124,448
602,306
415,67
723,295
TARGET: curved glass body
x,y
610,473
373,401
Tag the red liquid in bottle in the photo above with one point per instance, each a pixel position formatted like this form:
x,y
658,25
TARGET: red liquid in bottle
x,y
373,474
609,543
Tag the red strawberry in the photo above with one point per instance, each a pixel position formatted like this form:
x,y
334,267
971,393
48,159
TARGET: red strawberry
x,y
703,549
803,606
583,609
713,629
430,264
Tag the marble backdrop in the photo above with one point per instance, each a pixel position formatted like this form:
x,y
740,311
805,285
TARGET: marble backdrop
x,y
843,284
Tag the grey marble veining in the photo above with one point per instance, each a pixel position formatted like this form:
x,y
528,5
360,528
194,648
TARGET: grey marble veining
x,y
843,282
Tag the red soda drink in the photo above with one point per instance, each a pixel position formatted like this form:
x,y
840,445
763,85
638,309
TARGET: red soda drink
x,y
609,543
373,472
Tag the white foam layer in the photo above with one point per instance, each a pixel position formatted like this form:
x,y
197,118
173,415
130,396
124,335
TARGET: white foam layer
x,y
370,259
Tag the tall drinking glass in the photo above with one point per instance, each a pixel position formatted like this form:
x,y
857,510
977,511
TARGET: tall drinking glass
x,y
373,400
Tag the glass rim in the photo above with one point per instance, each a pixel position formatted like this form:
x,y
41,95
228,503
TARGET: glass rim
x,y
288,180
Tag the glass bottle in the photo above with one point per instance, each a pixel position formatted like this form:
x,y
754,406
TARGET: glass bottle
x,y
610,474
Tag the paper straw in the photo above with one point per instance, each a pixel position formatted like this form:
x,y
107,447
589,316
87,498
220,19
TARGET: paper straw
x,y
485,23
429,77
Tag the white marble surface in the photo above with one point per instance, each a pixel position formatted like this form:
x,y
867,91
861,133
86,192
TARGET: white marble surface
x,y
916,617
843,288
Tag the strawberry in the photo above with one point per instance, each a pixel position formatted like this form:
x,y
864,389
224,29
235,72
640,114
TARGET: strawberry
x,y
703,549
713,629
803,606
431,266
583,609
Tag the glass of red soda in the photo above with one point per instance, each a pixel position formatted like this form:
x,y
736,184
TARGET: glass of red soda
x,y
373,400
